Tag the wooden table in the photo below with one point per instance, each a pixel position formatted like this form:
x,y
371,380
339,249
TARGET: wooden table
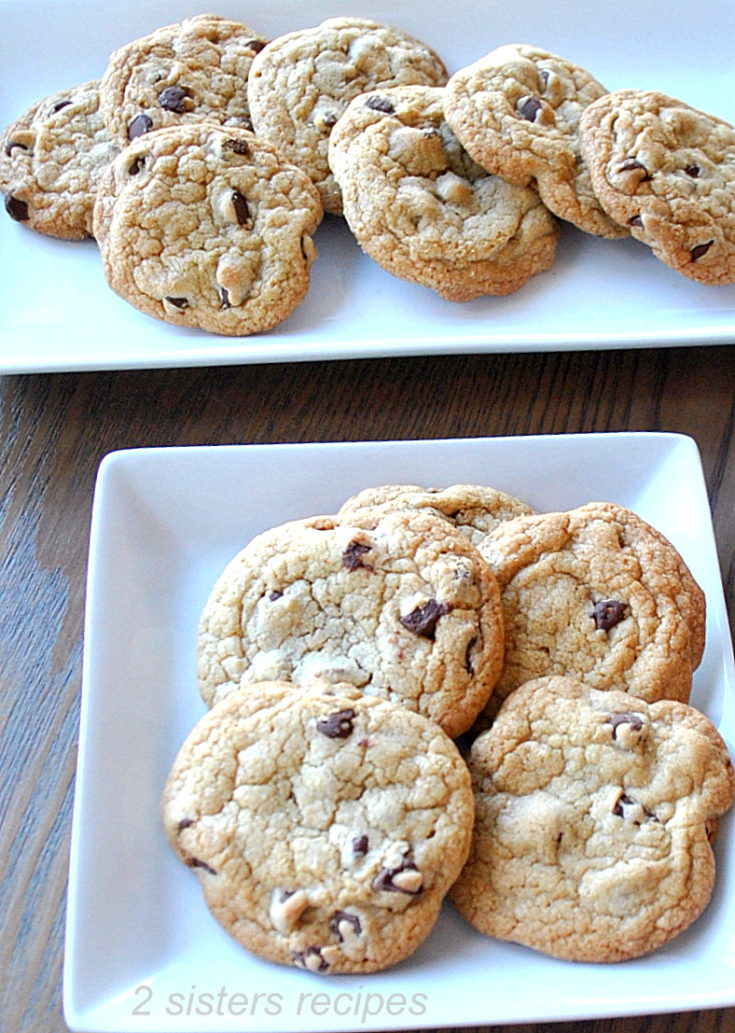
x,y
54,429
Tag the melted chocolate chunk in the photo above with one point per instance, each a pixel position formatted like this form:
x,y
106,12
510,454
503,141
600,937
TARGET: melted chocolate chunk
x,y
360,846
352,556
139,125
624,802
16,208
378,103
194,862
242,211
178,302
607,613
468,655
692,170
61,104
625,719
424,619
135,167
173,98
390,879
700,250
236,146
225,295
339,918
530,108
310,959
338,725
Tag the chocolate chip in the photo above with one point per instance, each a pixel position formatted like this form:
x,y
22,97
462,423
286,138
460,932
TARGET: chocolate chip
x,y
405,878
337,725
468,655
225,296
310,959
16,208
330,119
242,211
424,619
185,823
61,104
635,221
194,862
135,167
543,74
236,146
625,718
633,165
140,124
360,846
255,45
12,144
173,98
275,594
378,103
625,806
352,556
607,613
178,302
529,107
700,250
339,919
692,170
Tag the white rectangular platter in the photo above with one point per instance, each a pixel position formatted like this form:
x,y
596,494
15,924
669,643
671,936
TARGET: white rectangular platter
x,y
142,951
57,313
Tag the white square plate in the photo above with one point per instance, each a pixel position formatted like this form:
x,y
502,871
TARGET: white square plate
x,y
142,952
57,313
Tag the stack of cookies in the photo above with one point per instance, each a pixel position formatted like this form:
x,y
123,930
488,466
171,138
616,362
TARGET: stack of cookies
x,y
205,157
322,800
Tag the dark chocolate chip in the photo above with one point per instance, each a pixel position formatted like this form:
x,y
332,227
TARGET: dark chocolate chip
x,y
530,108
633,165
178,302
225,296
692,170
378,103
237,146
135,167
173,98
360,846
338,918
12,144
194,862
242,211
139,125
389,879
700,250
543,74
607,613
185,823
624,801
468,655
424,619
61,104
330,119
352,556
625,718
337,725
255,45
16,208
275,594
635,221
311,959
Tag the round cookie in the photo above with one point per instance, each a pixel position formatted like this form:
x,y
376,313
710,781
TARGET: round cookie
x,y
51,160
473,509
192,71
300,84
325,827
399,604
517,111
207,226
422,209
599,594
667,171
593,821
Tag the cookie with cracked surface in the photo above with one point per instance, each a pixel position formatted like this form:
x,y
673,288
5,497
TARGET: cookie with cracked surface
x,y
667,171
51,161
421,208
206,226
301,83
325,826
593,821
599,594
192,71
399,604
474,509
517,111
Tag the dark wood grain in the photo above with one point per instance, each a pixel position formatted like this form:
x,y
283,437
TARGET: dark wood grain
x,y
54,429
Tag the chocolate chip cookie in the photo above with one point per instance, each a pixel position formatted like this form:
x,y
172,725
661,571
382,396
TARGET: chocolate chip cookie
x,y
517,111
593,821
399,604
51,160
599,594
423,209
325,826
474,509
300,84
667,171
206,226
192,71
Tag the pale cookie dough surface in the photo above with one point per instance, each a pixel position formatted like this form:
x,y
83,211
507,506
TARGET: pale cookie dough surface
x,y
599,594
206,226
667,171
400,605
192,71
301,83
474,509
421,208
517,111
51,161
325,827
594,816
